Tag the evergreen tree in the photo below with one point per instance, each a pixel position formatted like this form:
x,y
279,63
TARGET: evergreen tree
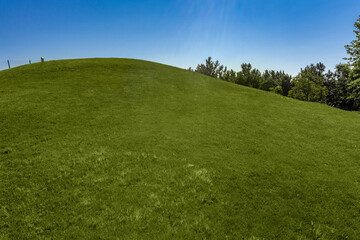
x,y
285,83
337,85
211,68
268,83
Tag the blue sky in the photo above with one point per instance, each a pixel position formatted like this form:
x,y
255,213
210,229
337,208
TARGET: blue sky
x,y
277,34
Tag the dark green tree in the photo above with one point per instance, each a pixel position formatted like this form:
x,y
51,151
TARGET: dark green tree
x,y
309,84
337,84
285,83
243,77
211,68
268,82
354,88
230,76
353,49
255,78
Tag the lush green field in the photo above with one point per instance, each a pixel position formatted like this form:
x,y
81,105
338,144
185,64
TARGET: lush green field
x,y
128,149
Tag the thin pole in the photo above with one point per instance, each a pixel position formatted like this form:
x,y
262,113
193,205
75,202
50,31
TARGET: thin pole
x,y
8,63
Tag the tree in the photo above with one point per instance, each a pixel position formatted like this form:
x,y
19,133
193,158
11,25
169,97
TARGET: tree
x,y
255,78
211,68
309,84
276,81
337,84
249,76
278,90
243,77
354,88
268,82
353,49
285,83
230,76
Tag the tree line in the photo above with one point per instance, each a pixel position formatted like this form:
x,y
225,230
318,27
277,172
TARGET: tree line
x,y
339,88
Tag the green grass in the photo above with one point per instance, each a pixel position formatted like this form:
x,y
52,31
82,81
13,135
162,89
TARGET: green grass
x,y
128,149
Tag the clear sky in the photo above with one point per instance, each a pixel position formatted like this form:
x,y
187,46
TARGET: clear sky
x,y
270,34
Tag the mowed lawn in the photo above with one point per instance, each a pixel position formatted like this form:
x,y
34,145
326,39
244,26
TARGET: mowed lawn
x,y
129,149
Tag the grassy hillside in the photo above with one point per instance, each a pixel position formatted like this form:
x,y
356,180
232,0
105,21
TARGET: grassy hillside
x,y
128,149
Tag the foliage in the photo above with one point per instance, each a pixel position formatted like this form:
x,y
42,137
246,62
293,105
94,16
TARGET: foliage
x,y
354,89
309,84
230,76
353,49
211,68
248,76
338,89
268,81
285,82
278,90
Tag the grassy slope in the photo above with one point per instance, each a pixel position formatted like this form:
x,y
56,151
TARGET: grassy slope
x,y
128,149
